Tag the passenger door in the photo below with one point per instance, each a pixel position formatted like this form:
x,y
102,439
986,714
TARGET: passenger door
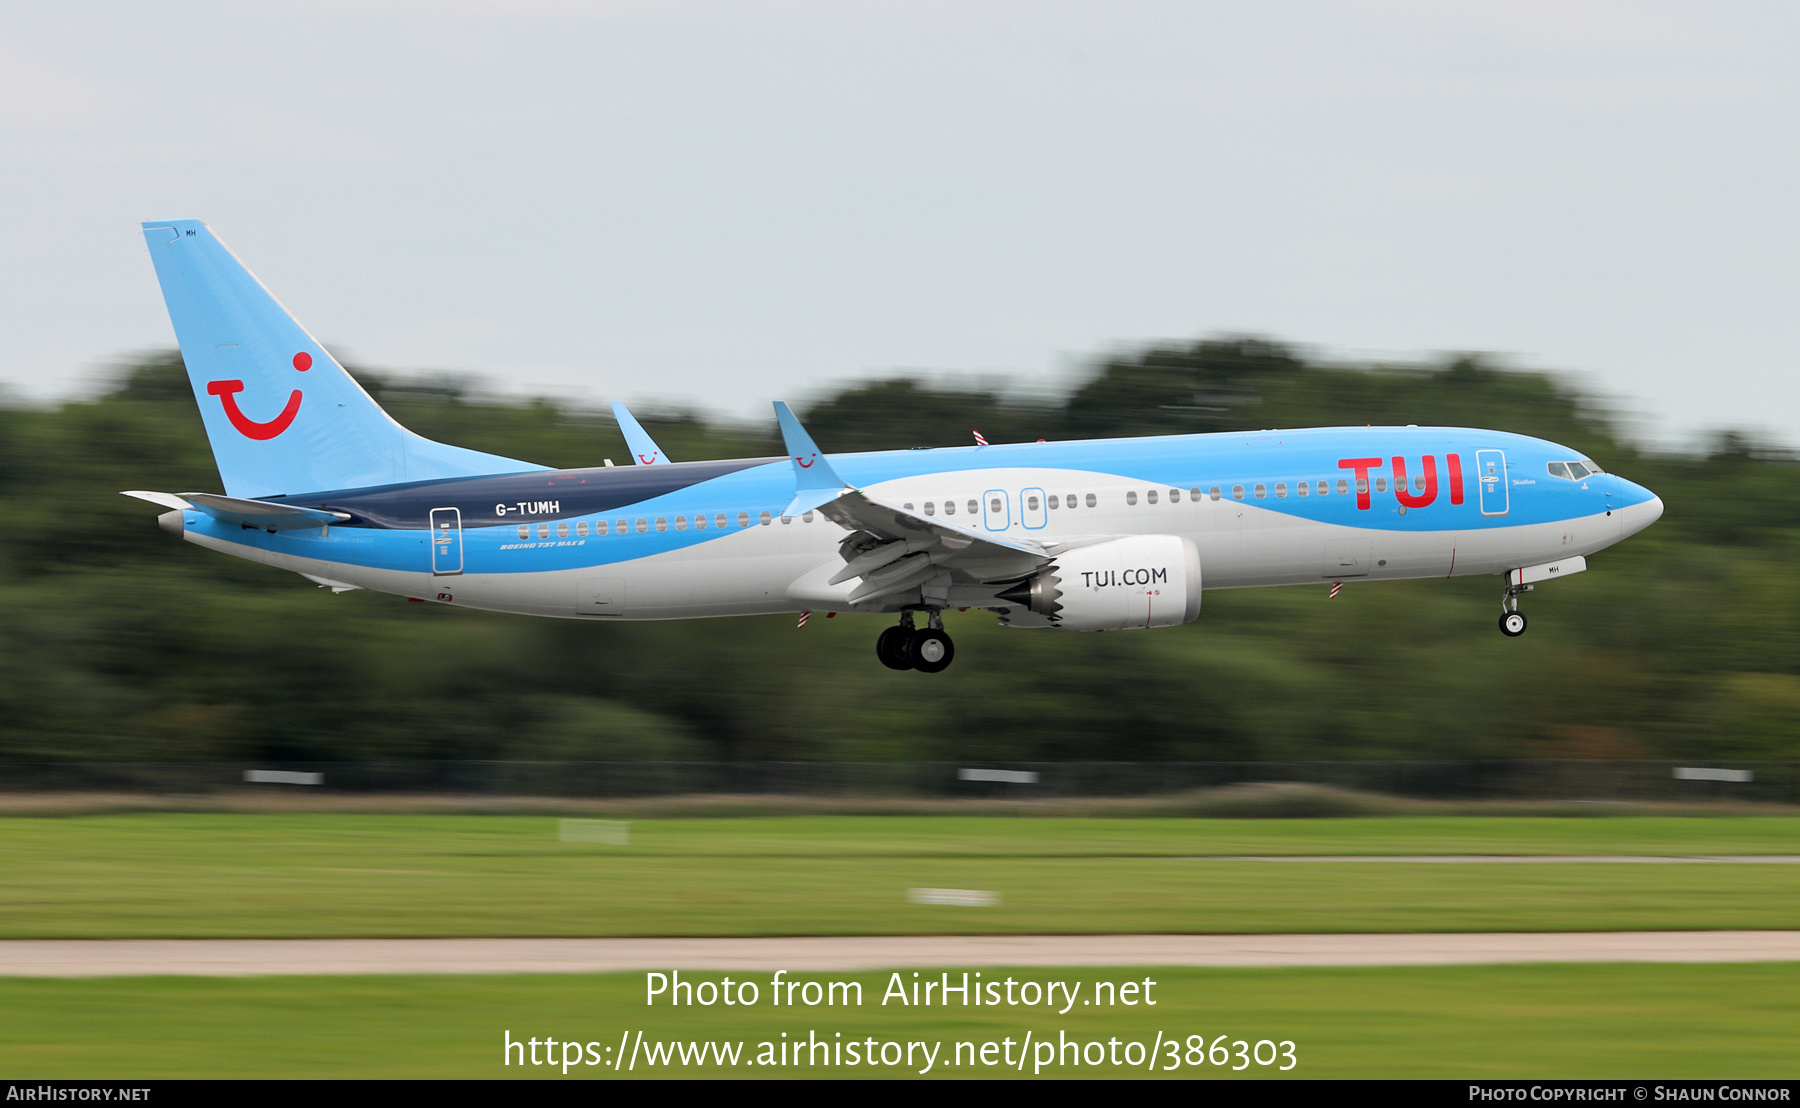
x,y
1490,474
446,542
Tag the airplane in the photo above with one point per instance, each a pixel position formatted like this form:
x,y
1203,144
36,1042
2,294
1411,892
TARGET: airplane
x,y
1093,535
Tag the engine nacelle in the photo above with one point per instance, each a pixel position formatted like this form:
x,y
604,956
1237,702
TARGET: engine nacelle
x,y
1142,581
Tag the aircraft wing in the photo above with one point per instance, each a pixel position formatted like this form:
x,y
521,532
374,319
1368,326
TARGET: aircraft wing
x,y
894,548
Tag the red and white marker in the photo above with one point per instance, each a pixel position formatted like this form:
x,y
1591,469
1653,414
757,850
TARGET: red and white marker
x,y
979,441
1335,586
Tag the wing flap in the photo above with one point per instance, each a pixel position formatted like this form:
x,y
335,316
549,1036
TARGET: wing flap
x,y
885,534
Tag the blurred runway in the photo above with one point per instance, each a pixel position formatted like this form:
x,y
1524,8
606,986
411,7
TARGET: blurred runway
x,y
276,957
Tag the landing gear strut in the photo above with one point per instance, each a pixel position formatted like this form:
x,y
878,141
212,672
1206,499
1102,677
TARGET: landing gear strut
x,y
1512,621
927,649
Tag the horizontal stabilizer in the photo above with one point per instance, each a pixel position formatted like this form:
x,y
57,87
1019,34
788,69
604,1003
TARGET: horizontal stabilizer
x,y
161,499
329,583
261,513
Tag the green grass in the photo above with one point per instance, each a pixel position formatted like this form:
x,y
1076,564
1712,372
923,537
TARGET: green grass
x,y
1668,1021
177,875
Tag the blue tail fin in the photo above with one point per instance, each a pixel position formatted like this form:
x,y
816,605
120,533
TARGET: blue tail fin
x,y
281,413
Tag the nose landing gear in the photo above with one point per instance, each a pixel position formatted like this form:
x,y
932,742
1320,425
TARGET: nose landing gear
x,y
1512,621
927,649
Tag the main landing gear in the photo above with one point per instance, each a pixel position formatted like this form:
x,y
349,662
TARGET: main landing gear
x,y
925,649
1512,621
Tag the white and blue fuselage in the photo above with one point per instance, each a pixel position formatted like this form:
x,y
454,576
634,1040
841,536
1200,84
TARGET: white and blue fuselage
x,y
1086,535
708,538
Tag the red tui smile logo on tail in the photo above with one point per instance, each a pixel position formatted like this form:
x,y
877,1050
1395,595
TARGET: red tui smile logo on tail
x,y
250,428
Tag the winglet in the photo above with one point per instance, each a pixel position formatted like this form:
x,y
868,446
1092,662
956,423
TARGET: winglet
x,y
643,448
815,482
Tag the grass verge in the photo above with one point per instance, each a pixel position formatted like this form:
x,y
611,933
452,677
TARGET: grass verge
x,y
197,875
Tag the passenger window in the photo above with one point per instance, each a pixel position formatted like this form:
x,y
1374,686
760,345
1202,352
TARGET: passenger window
x,y
1150,496
1381,484
1281,490
1301,488
974,506
582,528
908,506
764,518
1237,492
543,530
931,507
785,520
1031,502
700,522
1131,498
1362,486
562,530
1262,492
1055,501
949,507
1213,492
600,527
743,519
1069,501
1324,488
1343,487
1419,483
1092,500
524,530
620,527
680,523
662,524
642,525
719,521
995,505
1194,495
1174,496
807,518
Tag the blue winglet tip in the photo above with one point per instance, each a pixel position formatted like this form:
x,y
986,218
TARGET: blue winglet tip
x,y
812,472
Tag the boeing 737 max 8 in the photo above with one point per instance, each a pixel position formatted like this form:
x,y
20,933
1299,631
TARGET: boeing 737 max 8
x,y
1094,535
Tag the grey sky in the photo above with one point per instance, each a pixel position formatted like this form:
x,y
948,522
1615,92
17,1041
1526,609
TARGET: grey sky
x,y
726,203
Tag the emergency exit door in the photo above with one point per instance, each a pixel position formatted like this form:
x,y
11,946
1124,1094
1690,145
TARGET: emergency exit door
x,y
446,542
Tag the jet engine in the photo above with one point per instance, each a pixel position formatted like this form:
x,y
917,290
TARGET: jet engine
x,y
1141,581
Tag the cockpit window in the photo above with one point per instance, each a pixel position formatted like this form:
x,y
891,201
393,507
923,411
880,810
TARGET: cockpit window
x,y
1574,471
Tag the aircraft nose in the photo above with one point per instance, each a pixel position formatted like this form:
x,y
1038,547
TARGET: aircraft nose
x,y
1642,508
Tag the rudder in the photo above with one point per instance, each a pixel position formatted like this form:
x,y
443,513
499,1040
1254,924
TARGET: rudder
x,y
280,412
